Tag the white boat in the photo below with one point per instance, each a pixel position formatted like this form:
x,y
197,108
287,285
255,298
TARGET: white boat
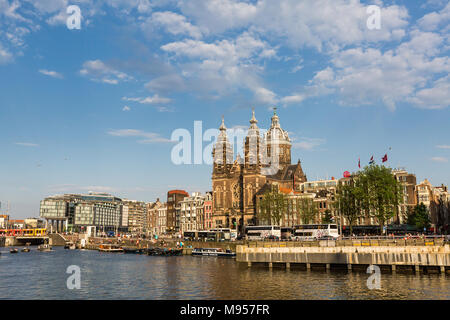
x,y
44,247
215,252
70,245
110,248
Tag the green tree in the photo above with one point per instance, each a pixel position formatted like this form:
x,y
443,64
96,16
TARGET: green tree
x,y
420,217
272,206
348,198
382,193
327,218
307,209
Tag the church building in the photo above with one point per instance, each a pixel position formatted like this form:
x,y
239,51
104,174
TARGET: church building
x,y
236,181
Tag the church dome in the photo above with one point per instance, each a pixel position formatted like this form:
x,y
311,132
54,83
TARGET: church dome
x,y
276,133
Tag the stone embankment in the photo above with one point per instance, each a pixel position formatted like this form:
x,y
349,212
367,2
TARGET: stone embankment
x,y
415,257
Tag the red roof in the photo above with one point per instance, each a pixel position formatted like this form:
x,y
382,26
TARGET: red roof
x,y
179,192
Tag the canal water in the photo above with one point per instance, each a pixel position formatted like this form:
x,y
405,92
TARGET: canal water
x,y
42,275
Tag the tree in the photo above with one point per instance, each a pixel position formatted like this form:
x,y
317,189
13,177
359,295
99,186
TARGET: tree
x,y
272,206
382,193
327,218
306,209
348,202
420,217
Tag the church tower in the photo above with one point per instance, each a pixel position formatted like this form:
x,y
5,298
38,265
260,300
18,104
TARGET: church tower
x,y
252,147
222,152
277,143
252,179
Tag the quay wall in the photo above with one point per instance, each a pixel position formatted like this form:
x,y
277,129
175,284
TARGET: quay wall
x,y
413,255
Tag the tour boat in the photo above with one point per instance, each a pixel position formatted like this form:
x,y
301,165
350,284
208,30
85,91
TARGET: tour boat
x,y
109,248
215,252
13,250
44,247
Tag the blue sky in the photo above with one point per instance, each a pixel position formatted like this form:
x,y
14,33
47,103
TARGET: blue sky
x,y
94,109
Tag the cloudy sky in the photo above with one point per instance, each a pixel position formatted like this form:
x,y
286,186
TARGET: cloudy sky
x,y
93,109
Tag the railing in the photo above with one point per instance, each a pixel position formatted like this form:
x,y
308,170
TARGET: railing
x,y
353,242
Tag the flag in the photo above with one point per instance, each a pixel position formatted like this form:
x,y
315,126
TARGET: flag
x,y
346,174
372,161
385,158
359,163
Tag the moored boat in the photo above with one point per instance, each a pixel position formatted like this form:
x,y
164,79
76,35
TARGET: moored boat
x,y
44,247
164,251
70,245
107,247
135,250
13,250
215,252
25,249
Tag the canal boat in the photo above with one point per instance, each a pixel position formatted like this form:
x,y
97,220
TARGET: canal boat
x,y
164,251
108,247
13,250
215,252
135,250
70,245
44,247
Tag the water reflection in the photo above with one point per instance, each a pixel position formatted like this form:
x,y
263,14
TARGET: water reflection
x,y
42,275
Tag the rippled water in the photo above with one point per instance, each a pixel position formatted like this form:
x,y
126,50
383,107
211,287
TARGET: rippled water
x,y
42,275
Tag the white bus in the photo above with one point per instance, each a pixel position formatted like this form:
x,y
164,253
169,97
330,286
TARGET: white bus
x,y
315,231
263,232
230,234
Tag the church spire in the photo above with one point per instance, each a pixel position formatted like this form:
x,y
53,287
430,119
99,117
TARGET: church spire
x,y
253,121
275,119
222,126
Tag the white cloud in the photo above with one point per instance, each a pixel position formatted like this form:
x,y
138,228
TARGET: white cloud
x,y
167,83
173,23
435,97
146,137
98,71
434,20
439,159
265,96
26,144
49,73
5,55
305,143
222,66
126,108
296,98
311,23
216,16
126,6
443,146
9,10
407,73
156,99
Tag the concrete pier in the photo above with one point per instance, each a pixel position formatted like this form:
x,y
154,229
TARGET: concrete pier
x,y
417,258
